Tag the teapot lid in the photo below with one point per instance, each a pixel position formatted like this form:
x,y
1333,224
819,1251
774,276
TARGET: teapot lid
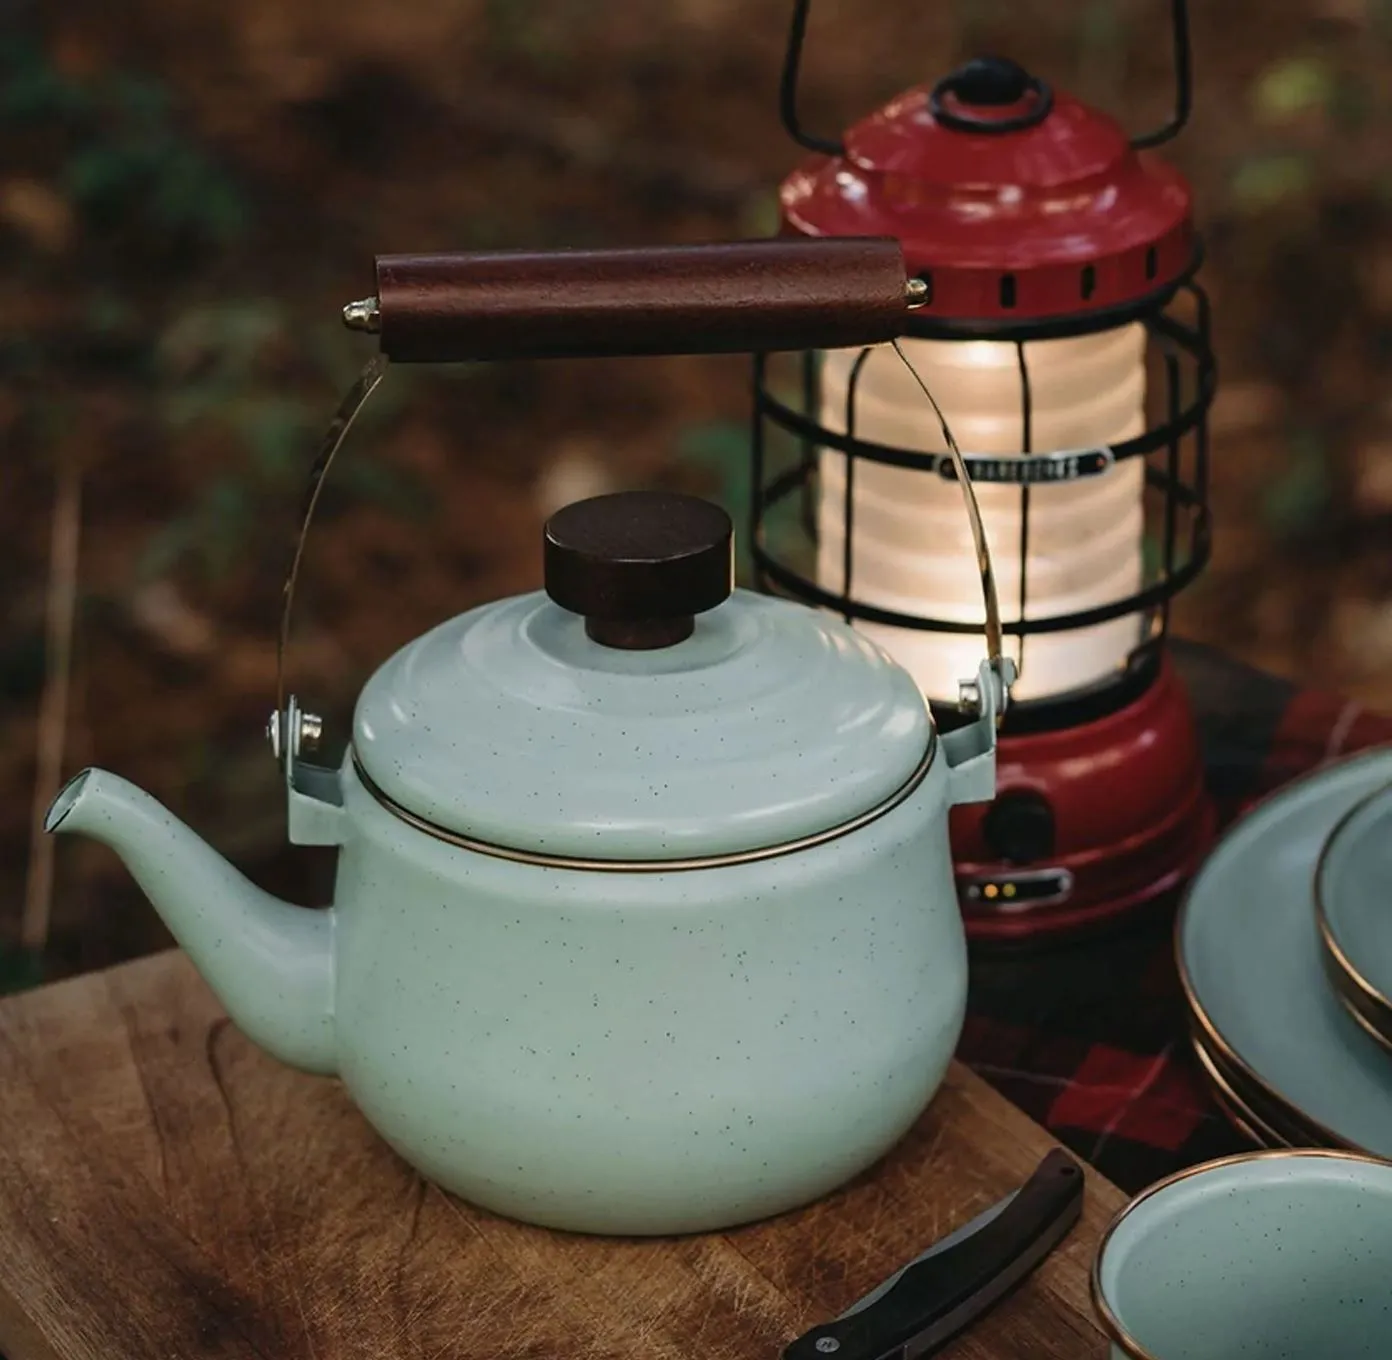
x,y
640,708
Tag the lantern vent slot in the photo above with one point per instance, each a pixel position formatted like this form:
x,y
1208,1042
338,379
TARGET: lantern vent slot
x,y
1007,290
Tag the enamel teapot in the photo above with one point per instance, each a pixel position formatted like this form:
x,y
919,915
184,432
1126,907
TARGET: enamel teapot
x,y
644,918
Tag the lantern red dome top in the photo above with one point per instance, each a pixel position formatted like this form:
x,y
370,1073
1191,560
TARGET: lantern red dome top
x,y
1011,202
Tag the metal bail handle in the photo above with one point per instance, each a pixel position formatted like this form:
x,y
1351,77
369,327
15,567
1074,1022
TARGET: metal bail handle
x,y
999,669
717,298
289,729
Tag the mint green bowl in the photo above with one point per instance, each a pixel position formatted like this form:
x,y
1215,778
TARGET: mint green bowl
x,y
1281,1255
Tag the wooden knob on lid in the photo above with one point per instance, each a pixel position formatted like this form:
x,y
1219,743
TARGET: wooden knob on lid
x,y
639,565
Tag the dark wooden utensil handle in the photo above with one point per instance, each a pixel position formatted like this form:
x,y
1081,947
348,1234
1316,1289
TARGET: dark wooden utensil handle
x,y
733,297
936,1296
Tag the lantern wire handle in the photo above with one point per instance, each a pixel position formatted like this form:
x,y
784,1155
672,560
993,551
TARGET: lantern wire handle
x,y
983,551
283,742
792,70
1183,75
788,87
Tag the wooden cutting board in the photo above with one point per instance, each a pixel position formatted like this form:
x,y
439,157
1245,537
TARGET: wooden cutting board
x,y
166,1190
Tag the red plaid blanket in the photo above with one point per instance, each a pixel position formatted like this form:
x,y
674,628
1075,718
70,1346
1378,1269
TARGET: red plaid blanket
x,y
1090,1039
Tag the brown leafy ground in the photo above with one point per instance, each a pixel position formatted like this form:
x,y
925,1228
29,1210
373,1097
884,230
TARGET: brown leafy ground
x,y
215,180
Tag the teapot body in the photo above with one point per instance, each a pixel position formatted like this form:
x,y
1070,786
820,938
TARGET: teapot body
x,y
645,918
662,1051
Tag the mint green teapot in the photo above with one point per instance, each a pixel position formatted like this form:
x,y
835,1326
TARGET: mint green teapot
x,y
644,918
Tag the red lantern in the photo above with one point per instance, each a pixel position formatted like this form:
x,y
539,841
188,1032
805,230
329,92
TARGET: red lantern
x,y
1057,260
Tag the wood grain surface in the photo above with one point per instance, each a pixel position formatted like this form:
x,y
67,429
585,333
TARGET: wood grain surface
x,y
166,1190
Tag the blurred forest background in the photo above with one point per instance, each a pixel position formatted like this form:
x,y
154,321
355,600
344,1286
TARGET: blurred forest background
x,y
190,191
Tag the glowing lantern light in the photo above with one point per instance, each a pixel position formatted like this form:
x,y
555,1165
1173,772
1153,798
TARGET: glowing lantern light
x,y
911,552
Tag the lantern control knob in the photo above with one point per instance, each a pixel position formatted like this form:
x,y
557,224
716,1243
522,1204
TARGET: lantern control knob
x,y
639,565
1019,827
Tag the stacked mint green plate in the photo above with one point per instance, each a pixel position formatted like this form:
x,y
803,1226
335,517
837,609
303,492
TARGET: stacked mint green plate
x,y
1353,907
1289,1056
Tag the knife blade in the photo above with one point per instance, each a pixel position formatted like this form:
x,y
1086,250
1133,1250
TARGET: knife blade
x,y
924,1304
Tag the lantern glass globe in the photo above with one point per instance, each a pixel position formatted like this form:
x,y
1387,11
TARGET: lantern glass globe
x,y
912,549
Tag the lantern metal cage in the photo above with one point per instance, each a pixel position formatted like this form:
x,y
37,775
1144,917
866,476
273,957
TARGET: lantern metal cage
x,y
1175,315
1180,482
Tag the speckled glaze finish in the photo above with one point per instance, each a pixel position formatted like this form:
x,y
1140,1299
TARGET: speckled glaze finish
x,y
605,1052
1268,1256
640,1050
658,1052
509,725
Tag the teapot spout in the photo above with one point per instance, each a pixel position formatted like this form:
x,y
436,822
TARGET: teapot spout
x,y
269,963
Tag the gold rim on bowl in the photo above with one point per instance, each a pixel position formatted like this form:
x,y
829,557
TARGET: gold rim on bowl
x,y
1359,997
1112,1325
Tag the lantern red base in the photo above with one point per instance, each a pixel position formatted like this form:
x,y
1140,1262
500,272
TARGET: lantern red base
x,y
1091,823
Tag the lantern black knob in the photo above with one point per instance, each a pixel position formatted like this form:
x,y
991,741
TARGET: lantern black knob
x,y
639,565
990,81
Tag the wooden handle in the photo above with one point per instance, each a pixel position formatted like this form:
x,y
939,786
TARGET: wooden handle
x,y
733,297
